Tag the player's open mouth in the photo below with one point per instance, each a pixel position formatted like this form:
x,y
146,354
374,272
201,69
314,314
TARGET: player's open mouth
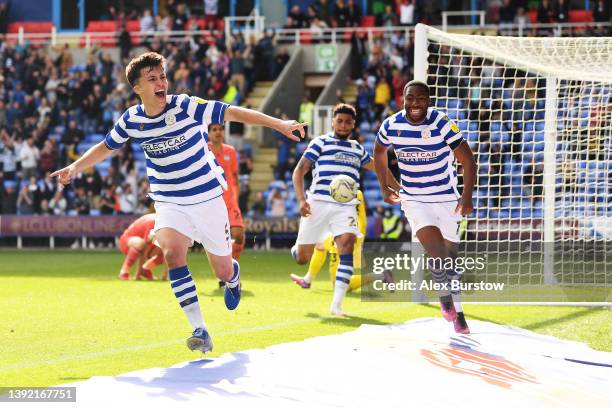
x,y
161,94
416,112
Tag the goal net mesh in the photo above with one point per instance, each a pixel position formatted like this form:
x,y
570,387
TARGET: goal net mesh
x,y
537,113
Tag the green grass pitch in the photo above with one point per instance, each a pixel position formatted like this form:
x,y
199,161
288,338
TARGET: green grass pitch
x,y
66,317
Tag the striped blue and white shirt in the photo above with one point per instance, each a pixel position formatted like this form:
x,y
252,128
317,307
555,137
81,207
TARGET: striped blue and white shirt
x,y
331,157
180,167
425,155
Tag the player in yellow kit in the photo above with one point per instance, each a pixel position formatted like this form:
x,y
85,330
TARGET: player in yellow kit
x,y
320,253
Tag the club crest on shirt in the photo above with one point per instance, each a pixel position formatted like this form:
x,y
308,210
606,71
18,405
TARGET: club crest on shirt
x,y
170,119
454,127
426,133
141,126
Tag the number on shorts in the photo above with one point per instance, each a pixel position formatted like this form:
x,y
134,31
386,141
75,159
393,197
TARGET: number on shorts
x,y
352,222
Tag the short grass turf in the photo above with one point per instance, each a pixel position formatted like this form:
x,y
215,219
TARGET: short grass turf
x,y
66,317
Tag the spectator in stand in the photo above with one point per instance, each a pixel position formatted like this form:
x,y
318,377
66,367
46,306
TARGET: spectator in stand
x,y
522,19
180,15
245,163
8,197
29,156
354,14
48,158
306,113
47,187
280,60
322,10
389,18
546,15
147,22
73,135
10,157
276,203
341,15
27,197
507,12
211,8
4,17
81,202
258,209
406,13
601,14
382,95
58,204
562,11
298,20
125,43
127,199
244,193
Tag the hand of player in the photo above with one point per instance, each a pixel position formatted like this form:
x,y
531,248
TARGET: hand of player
x,y
390,196
287,127
65,175
464,206
304,208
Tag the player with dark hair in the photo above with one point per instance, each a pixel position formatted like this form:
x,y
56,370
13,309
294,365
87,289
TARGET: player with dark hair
x,y
185,180
426,142
331,155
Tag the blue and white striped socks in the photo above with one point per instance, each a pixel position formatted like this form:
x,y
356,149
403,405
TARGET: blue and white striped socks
x,y
185,291
235,279
343,278
456,294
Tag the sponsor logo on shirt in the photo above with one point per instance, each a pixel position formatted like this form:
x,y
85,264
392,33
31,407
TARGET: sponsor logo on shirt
x,y
346,158
164,146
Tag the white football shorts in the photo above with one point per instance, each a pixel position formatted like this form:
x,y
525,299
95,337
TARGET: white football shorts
x,y
327,217
206,223
441,215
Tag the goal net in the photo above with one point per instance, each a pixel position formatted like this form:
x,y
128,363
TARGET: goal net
x,y
537,114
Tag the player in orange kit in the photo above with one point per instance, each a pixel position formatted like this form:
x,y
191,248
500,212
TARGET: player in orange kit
x,y
228,159
136,244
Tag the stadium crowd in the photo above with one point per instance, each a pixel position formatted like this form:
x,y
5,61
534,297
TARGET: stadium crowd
x,y
52,109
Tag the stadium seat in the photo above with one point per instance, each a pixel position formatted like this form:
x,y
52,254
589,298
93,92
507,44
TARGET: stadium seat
x,y
580,16
368,21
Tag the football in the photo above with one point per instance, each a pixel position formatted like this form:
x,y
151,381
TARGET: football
x,y
343,189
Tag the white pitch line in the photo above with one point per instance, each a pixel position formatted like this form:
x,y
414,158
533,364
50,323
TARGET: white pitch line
x,y
120,350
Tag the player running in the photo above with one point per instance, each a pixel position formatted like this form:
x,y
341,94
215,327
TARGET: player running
x,y
228,159
320,254
331,155
425,142
136,244
185,181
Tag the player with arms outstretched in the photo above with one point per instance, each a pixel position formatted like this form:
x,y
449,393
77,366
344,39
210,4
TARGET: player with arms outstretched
x,y
185,181
331,155
426,142
228,159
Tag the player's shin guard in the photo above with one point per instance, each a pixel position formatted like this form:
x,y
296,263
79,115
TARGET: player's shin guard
x,y
454,279
343,278
185,291
237,250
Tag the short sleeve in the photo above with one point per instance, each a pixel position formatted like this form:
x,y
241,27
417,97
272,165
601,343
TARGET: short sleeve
x,y
118,136
381,136
451,133
365,157
314,149
209,112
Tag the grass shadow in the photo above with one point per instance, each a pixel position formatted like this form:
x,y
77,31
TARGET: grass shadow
x,y
349,321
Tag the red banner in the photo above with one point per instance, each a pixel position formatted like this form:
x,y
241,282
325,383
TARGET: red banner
x,y
64,226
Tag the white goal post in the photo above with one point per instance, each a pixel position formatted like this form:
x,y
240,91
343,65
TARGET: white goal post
x,y
537,112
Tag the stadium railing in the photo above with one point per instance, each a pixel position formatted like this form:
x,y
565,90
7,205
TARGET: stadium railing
x,y
286,36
